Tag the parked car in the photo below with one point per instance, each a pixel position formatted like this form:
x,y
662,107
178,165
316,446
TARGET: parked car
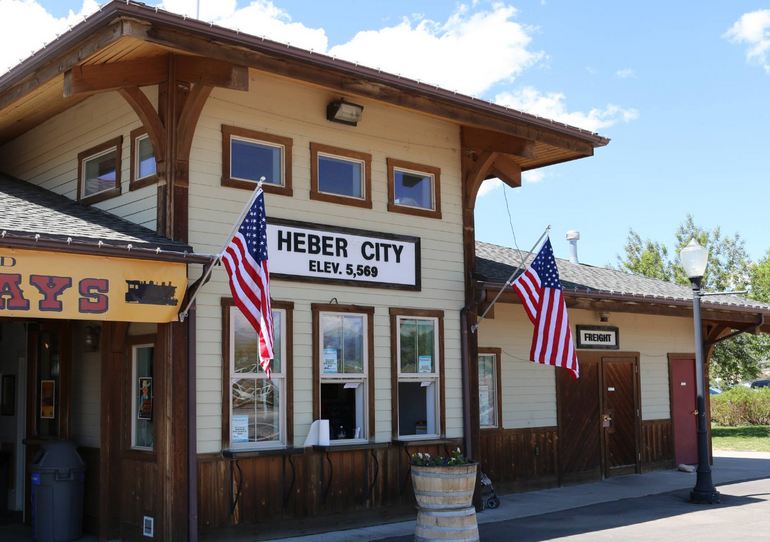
x,y
761,384
714,391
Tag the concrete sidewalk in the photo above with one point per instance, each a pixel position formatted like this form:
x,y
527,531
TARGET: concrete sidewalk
x,y
729,467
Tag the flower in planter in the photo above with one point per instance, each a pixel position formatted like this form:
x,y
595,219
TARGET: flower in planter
x,y
455,458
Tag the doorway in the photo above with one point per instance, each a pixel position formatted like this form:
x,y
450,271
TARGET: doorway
x,y
599,418
681,372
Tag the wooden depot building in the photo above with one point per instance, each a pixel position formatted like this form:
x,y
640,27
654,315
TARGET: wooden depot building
x,y
129,147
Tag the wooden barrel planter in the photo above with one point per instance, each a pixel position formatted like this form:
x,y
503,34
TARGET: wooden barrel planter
x,y
444,496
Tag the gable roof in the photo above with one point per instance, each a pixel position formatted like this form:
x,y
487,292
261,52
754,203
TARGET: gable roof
x,y
125,30
31,215
495,264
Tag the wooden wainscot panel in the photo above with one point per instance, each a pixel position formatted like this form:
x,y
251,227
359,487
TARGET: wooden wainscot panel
x,y
520,459
657,444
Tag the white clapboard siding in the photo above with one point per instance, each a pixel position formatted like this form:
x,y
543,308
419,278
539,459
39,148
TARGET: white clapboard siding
x,y
288,109
47,155
529,390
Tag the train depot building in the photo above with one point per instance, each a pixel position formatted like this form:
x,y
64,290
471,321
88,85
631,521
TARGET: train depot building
x,y
128,149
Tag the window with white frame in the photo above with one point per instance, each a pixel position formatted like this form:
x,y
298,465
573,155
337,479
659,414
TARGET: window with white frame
x,y
343,367
99,170
143,395
257,404
144,158
418,376
248,156
488,390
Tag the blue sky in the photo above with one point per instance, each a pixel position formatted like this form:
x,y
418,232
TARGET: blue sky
x,y
684,100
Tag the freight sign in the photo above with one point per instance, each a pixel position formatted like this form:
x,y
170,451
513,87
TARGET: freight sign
x,y
73,286
303,251
598,337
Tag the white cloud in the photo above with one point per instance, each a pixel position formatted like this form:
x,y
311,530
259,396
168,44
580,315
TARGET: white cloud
x,y
260,18
552,105
527,177
626,73
470,52
26,26
753,29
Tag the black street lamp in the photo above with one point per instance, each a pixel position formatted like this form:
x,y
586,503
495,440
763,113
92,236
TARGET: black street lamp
x,y
694,258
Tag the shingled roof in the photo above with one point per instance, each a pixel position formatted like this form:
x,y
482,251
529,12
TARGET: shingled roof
x,y
27,211
494,264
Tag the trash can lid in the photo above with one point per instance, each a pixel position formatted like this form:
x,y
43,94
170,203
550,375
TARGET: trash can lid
x,y
57,455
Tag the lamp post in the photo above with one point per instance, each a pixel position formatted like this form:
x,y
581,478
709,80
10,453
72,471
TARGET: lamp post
x,y
694,258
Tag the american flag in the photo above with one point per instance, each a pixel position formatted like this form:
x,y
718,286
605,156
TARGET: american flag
x,y
540,292
245,259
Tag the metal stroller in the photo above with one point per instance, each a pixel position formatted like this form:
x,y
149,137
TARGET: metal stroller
x,y
489,498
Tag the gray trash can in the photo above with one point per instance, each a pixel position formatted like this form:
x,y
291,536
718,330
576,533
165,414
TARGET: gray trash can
x,y
58,473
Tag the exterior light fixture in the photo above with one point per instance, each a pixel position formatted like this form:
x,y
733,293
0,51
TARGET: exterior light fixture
x,y
344,112
694,259
91,338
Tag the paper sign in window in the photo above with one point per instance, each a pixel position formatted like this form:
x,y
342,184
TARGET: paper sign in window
x,y
330,360
425,364
239,428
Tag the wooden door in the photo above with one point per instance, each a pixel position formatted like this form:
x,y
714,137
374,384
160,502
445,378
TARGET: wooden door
x,y
620,415
682,379
580,451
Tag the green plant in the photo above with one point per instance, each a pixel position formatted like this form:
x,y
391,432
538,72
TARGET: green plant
x,y
456,457
741,406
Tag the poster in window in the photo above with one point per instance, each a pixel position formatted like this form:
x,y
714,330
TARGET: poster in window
x,y
239,429
144,410
47,399
425,364
330,360
8,396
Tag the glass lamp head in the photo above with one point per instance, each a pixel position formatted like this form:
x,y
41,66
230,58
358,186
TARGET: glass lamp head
x,y
694,259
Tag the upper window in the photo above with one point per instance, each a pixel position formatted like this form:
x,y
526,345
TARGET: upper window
x,y
489,388
344,365
417,373
257,405
99,171
144,169
414,188
340,176
247,156
143,392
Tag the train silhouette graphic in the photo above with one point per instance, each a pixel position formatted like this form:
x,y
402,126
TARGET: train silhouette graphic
x,y
150,293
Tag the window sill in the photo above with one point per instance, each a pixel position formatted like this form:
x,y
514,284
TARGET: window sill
x,y
261,452
351,447
426,441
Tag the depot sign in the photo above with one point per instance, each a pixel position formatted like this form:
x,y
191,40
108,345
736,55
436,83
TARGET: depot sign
x,y
302,251
38,284
598,337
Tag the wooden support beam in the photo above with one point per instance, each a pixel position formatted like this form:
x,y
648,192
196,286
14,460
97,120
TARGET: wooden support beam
x,y
156,131
188,119
487,140
89,78
507,170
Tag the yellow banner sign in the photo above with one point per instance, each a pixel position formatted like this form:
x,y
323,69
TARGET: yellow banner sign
x,y
60,285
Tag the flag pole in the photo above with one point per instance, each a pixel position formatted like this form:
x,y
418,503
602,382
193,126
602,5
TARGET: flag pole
x,y
520,269
204,278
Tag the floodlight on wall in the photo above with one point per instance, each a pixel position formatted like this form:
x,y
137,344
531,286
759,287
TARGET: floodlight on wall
x,y
344,112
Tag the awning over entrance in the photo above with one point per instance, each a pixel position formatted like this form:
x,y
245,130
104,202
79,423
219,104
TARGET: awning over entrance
x,y
62,260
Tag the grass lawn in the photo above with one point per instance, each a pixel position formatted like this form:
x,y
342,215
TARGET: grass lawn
x,y
744,438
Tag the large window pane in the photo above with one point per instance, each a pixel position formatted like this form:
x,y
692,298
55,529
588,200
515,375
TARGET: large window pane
x,y
343,344
416,408
144,399
256,410
245,348
251,160
413,189
145,158
417,345
488,390
99,173
339,176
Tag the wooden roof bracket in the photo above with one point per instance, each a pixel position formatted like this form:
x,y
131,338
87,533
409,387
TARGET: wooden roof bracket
x,y
748,329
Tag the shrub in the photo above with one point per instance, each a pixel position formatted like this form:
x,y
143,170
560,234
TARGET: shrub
x,y
741,406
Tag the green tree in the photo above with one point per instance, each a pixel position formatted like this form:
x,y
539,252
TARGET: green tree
x,y
645,257
729,268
